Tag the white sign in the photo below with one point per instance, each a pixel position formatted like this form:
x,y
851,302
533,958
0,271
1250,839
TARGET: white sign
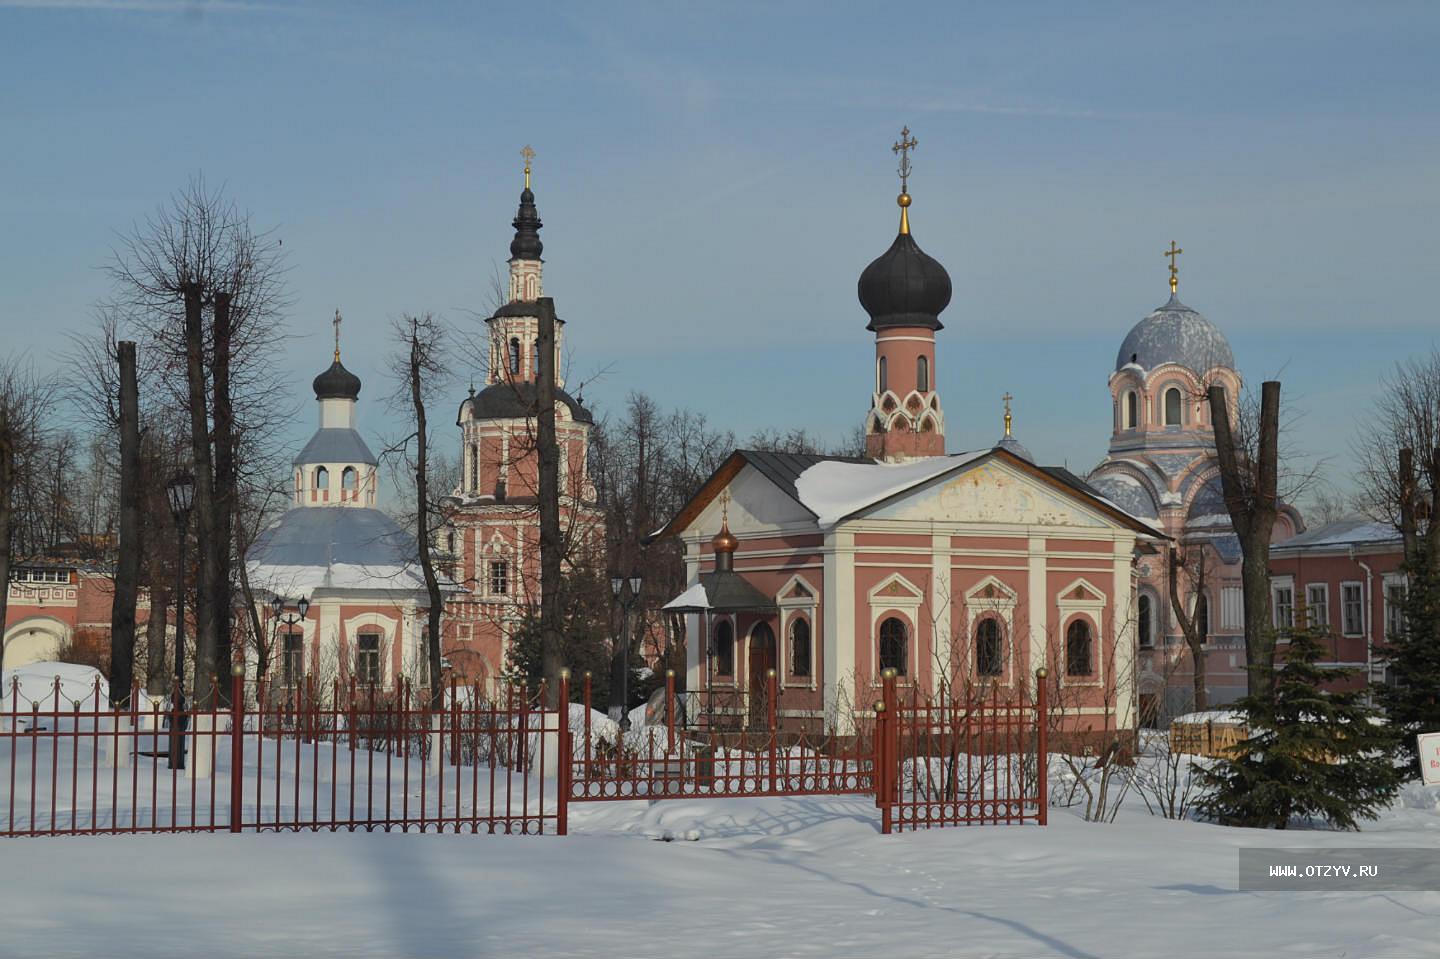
x,y
1429,758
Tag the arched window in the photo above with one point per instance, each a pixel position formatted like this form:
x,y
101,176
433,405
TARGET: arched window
x,y
922,374
892,645
724,649
1202,617
349,478
799,647
322,478
474,467
292,659
1145,623
1078,659
988,651
535,357
514,354
1132,409
882,376
1172,407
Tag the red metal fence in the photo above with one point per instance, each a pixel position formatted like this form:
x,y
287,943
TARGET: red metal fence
x,y
281,759
353,757
957,760
677,758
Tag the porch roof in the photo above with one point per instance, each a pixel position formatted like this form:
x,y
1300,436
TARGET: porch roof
x,y
721,591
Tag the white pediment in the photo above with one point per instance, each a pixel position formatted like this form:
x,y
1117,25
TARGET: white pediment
x,y
756,506
993,493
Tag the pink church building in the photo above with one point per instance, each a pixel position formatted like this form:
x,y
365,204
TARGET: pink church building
x,y
961,571
1162,466
493,537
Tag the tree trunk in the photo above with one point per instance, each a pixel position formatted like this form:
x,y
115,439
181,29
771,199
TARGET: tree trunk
x,y
127,566
156,667
422,520
550,537
1249,487
252,619
206,636
1190,625
225,496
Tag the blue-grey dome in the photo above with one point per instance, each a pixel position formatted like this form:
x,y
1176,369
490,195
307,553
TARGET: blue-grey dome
x,y
1126,492
1015,446
1175,334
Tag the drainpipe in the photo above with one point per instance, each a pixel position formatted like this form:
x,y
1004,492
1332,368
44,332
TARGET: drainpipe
x,y
1369,617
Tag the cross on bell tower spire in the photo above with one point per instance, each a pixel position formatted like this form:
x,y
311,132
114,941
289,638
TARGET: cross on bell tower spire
x,y
529,155
1006,399
336,321
903,146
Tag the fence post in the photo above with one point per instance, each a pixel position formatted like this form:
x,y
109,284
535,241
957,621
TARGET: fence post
x,y
772,717
891,709
564,757
237,742
1042,759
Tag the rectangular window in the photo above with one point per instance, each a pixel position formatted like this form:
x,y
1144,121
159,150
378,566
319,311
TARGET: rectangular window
x,y
1317,604
499,577
1282,598
1352,609
1394,609
292,660
367,660
1232,608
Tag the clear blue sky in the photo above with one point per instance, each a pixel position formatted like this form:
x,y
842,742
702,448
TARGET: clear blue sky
x,y
713,181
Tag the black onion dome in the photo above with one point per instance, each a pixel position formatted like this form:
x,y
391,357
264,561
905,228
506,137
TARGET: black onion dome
x,y
337,383
904,287
526,245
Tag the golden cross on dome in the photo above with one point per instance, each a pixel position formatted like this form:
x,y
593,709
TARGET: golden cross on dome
x,y
1007,398
337,334
529,155
1172,253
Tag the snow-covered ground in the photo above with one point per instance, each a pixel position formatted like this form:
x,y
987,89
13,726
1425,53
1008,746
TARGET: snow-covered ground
x,y
765,877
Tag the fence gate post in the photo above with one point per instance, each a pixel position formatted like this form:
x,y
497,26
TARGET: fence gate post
x,y
237,743
564,757
1042,746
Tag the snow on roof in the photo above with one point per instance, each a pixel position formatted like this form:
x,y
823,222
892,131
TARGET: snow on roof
x,y
1342,533
692,598
833,489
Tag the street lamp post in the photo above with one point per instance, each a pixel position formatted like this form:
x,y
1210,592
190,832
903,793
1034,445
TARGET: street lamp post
x,y
180,492
289,620
626,599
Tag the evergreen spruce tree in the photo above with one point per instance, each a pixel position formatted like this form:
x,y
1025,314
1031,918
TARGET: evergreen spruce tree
x,y
1310,754
1412,699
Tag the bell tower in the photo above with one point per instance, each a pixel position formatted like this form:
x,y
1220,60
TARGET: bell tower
x,y
515,327
904,291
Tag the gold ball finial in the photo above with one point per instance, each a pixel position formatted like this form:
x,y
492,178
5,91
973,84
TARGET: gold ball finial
x,y
903,200
1041,673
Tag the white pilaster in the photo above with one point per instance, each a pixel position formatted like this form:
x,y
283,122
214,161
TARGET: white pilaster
x,y
940,605
1125,638
839,625
1038,608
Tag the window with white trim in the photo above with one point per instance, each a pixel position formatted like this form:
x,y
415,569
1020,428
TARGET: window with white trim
x,y
1317,604
499,577
1352,609
367,658
1282,604
1394,609
1145,615
1172,407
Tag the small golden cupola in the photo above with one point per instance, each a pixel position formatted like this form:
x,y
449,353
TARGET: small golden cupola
x,y
724,543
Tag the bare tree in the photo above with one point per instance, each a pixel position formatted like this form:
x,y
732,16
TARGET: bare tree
x,y
1195,622
26,403
1249,474
1399,455
197,254
419,368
